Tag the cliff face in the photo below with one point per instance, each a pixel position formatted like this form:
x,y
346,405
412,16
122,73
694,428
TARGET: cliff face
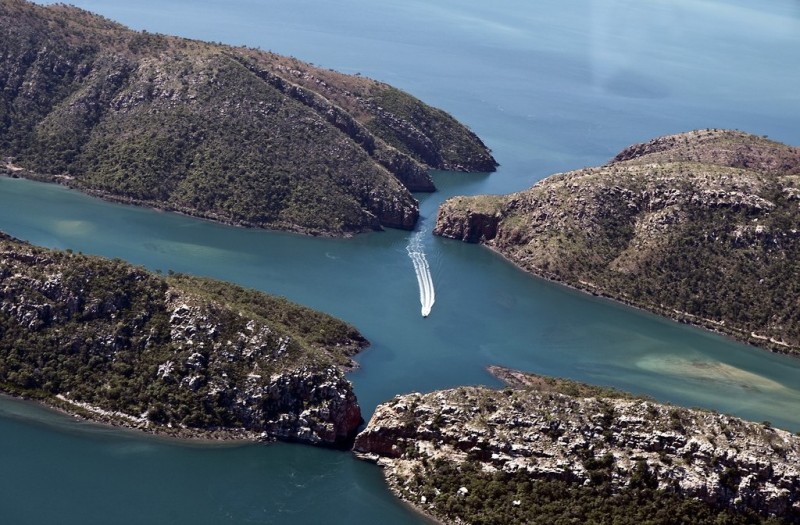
x,y
232,134
469,219
179,355
703,227
583,438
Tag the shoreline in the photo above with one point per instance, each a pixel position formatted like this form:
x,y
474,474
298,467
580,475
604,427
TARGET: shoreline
x,y
366,457
175,435
295,410
64,181
93,425
775,347
182,436
199,439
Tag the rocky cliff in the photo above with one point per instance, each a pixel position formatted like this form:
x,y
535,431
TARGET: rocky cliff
x,y
703,227
538,452
177,354
227,133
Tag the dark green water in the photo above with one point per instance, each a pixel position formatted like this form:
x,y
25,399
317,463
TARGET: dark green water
x,y
550,87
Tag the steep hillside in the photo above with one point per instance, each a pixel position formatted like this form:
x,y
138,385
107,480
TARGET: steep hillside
x,y
232,134
177,354
555,451
703,227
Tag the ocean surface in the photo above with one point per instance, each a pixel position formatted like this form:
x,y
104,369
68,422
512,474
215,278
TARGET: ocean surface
x,y
550,86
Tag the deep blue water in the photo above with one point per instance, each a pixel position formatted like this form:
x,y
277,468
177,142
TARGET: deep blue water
x,y
550,86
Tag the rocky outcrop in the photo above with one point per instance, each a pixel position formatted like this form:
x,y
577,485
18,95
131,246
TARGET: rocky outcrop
x,y
403,123
408,171
311,406
393,214
719,147
701,227
176,355
539,430
231,134
467,222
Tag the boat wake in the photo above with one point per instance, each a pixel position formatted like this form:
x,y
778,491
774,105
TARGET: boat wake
x,y
427,295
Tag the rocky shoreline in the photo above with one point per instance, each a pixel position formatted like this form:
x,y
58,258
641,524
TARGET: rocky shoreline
x,y
551,430
759,342
698,227
67,182
292,428
177,355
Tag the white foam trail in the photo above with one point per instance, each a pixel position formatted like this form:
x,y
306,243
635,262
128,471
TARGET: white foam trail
x,y
427,295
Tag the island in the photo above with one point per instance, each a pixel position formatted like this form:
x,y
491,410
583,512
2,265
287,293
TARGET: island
x,y
702,227
546,450
233,134
171,354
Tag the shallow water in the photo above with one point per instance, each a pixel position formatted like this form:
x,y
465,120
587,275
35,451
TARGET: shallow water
x,y
550,86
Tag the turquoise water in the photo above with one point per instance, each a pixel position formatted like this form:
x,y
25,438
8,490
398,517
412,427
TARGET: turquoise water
x,y
550,86
58,470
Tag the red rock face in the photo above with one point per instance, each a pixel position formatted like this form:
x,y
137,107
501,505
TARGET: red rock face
x,y
469,227
352,418
395,213
316,407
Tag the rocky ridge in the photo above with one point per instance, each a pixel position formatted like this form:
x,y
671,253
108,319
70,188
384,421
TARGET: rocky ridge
x,y
177,355
703,227
585,437
227,133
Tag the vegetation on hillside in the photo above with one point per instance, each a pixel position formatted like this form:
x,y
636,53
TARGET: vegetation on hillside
x,y
232,134
160,351
549,450
703,227
489,498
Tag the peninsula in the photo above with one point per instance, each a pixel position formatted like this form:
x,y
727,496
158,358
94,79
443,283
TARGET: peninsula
x,y
233,134
548,450
176,355
702,227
